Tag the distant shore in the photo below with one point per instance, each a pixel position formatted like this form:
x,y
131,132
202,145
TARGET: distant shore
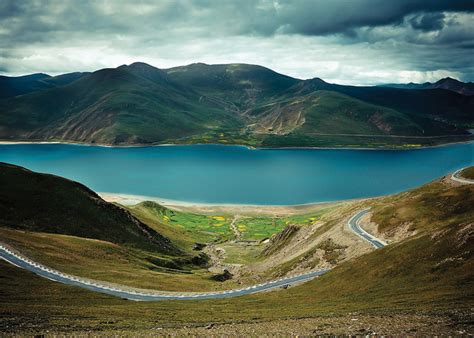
x,y
75,143
211,208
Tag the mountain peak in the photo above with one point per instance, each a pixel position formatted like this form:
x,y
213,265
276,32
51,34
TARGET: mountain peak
x,y
317,80
448,79
146,71
455,85
141,65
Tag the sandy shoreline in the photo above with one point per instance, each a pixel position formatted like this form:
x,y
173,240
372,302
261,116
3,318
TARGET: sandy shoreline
x,y
209,208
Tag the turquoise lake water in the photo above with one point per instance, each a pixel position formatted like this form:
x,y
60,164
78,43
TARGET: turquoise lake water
x,y
233,174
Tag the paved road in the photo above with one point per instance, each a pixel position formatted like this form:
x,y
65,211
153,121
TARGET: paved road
x,y
456,176
354,226
145,295
19,260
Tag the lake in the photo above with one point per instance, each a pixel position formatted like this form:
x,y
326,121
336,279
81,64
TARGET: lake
x,y
238,175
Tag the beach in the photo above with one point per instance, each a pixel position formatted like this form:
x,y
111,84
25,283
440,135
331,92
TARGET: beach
x,y
208,208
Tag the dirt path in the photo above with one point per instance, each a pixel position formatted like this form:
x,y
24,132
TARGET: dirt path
x,y
234,228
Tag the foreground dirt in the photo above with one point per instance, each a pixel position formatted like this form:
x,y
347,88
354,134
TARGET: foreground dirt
x,y
454,323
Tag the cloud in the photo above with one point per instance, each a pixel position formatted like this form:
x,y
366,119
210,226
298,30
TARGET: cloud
x,y
319,17
350,41
428,22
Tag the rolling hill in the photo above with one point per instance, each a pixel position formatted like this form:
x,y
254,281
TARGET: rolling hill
x,y
433,105
240,86
129,104
37,202
232,103
14,86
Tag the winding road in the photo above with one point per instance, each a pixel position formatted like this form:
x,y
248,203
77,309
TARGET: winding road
x,y
456,176
15,258
145,295
354,226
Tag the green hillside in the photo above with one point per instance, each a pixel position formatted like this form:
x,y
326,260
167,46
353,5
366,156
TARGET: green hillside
x,y
238,86
14,86
231,104
468,173
327,112
129,104
46,203
441,110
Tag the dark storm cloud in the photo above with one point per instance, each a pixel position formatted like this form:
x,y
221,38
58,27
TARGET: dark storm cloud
x,y
428,22
264,17
317,17
63,34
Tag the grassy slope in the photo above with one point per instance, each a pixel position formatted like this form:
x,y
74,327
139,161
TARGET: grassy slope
x,y
468,173
402,277
237,86
185,227
66,226
446,105
130,266
430,271
432,107
105,261
436,206
198,103
48,203
39,210
425,115
151,214
340,110
188,228
333,113
13,86
136,104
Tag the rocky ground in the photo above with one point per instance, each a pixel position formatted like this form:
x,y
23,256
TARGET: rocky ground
x,y
353,324
453,323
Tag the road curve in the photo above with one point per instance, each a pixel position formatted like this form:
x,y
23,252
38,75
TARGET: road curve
x,y
456,176
18,260
15,258
353,224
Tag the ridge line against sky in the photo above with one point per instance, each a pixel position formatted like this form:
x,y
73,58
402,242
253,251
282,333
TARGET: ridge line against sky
x,y
358,42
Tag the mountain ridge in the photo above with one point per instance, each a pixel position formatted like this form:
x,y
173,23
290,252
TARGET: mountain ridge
x,y
448,83
47,203
228,103
20,85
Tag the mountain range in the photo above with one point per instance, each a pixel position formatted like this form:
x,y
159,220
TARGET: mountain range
x,y
229,103
446,83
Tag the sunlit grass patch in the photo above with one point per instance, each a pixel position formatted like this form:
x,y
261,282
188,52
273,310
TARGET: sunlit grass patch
x,y
241,227
218,218
201,228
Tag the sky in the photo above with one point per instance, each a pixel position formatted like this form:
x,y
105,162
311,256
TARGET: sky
x,y
358,42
